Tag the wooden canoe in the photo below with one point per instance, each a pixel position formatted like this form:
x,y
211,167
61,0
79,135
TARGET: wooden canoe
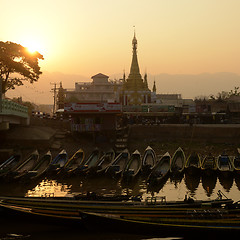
x,y
41,166
116,168
193,163
209,165
224,165
148,161
178,162
133,167
74,162
10,164
27,165
58,162
105,161
161,170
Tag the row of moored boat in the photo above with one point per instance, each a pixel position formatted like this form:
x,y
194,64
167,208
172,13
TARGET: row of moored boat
x,y
123,165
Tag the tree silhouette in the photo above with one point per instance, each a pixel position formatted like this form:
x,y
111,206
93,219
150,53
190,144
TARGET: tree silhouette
x,y
234,92
17,61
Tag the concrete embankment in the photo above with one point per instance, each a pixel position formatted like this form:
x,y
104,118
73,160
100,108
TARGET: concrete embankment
x,y
203,132
200,138
165,137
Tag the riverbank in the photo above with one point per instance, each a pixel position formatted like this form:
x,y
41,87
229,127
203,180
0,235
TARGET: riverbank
x,y
202,138
162,138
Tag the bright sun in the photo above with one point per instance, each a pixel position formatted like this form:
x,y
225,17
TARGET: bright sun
x,y
33,46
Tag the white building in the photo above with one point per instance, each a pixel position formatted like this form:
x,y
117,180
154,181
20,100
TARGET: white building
x,y
99,90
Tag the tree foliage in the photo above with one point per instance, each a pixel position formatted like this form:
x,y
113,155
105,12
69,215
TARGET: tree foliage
x,y
235,92
15,58
220,96
31,106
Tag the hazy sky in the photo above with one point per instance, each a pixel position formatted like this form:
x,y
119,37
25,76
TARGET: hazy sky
x,y
90,36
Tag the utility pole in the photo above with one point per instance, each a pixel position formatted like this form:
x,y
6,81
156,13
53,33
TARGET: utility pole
x,y
54,90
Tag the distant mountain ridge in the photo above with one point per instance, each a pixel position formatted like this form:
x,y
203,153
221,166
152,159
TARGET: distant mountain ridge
x,y
189,85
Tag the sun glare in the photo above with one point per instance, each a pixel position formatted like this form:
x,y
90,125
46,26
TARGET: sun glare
x,y
31,49
33,46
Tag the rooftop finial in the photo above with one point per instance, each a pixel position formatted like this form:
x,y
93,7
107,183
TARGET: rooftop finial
x,y
154,86
134,41
124,76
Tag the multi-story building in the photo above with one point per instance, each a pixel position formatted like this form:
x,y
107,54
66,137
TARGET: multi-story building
x,y
99,90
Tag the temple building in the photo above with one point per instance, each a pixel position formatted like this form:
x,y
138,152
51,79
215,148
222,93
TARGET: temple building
x,y
99,90
135,89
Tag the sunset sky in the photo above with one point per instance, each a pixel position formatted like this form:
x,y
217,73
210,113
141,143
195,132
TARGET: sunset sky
x,y
86,37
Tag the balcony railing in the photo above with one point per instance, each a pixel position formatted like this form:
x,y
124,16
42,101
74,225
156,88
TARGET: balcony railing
x,y
85,127
8,107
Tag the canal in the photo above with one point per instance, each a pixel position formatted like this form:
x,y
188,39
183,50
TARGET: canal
x,y
199,187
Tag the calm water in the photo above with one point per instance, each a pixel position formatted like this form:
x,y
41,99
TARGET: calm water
x,y
198,187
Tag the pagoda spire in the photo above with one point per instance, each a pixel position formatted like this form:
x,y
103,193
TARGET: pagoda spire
x,y
154,87
135,88
134,70
124,76
145,80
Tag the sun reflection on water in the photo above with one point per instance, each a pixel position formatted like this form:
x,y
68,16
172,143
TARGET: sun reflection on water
x,y
48,188
202,189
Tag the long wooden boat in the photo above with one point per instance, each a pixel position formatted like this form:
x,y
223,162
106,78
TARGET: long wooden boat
x,y
25,166
41,166
116,168
75,162
178,162
209,165
190,214
105,161
58,162
148,161
161,170
224,165
133,167
193,163
39,214
127,206
10,164
187,221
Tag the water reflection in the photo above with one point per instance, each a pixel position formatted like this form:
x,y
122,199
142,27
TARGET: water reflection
x,y
209,183
177,179
49,188
199,186
192,182
237,181
226,182
156,189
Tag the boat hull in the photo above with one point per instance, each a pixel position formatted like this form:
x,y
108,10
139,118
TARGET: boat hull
x,y
167,227
220,215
